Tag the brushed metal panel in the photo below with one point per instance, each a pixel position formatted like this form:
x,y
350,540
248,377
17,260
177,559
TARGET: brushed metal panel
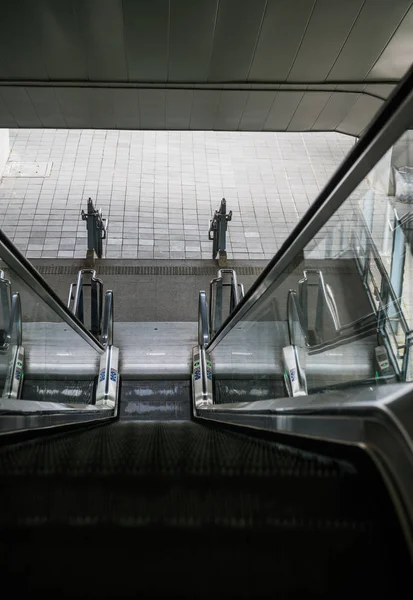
x,y
334,111
75,107
46,106
256,110
101,108
20,44
7,119
371,33
326,33
62,45
308,111
204,109
190,39
230,109
384,90
146,26
101,26
360,115
126,108
237,29
398,55
152,108
281,33
282,110
178,108
20,106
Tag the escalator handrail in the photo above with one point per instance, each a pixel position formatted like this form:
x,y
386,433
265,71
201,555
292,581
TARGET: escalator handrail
x,y
28,274
390,122
15,321
107,328
351,332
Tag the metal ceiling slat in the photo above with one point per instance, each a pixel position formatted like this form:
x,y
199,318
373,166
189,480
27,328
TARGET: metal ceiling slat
x,y
281,32
20,43
326,33
256,110
146,39
190,39
230,110
236,34
360,115
283,108
178,108
20,106
334,111
46,106
308,111
204,109
75,106
63,50
101,25
384,90
152,108
397,56
101,108
126,108
361,51
6,117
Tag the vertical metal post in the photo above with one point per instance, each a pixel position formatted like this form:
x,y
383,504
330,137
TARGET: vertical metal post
x,y
397,271
218,230
96,231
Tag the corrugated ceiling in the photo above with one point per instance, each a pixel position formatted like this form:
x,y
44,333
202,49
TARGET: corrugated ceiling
x,y
265,65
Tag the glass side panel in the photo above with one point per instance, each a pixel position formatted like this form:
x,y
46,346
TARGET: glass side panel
x,y
54,363
341,313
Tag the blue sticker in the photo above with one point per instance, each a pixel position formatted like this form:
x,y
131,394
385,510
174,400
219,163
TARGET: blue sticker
x,y
292,375
102,376
113,375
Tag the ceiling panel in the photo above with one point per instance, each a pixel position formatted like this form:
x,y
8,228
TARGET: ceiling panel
x,y
21,54
6,117
146,26
152,108
236,34
327,31
281,33
334,111
63,48
126,108
204,109
75,106
178,109
20,106
46,106
398,55
282,110
360,52
101,107
230,109
190,39
359,115
383,90
308,110
101,27
256,110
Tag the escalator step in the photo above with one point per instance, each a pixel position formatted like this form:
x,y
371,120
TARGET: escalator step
x,y
170,497
152,400
59,390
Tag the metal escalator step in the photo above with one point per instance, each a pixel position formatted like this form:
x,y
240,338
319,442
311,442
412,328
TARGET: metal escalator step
x,y
152,400
59,390
156,502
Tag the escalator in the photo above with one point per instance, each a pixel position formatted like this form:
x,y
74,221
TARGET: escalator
x,y
195,460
